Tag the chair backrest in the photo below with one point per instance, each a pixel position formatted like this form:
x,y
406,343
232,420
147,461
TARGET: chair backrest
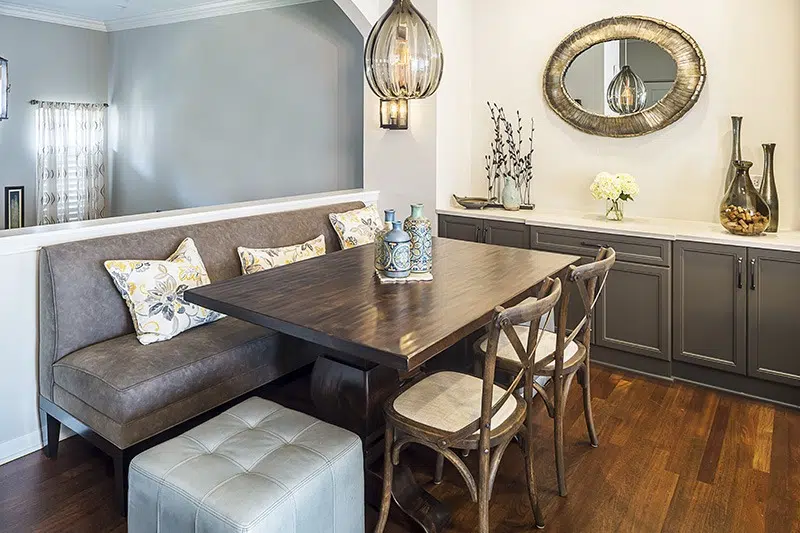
x,y
590,280
504,320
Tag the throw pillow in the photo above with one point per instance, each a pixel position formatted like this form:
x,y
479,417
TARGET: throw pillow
x,y
259,259
153,291
357,227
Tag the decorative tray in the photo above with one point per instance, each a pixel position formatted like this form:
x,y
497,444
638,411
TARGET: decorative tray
x,y
412,278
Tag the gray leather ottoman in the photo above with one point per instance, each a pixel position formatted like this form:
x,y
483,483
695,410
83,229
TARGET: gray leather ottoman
x,y
257,467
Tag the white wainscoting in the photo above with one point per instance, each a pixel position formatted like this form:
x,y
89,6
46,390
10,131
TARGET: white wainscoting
x,y
20,432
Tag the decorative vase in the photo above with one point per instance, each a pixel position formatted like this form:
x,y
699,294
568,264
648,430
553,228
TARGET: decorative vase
x,y
380,256
615,210
397,247
736,150
768,191
743,211
512,198
420,229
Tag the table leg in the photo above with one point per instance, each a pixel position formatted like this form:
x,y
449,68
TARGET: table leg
x,y
350,394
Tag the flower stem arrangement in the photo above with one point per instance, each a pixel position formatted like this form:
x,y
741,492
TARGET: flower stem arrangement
x,y
614,189
509,158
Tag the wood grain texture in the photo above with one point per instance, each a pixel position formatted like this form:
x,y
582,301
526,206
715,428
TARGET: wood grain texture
x,y
639,485
336,301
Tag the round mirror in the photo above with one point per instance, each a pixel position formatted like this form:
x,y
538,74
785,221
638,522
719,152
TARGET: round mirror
x,y
624,76
620,77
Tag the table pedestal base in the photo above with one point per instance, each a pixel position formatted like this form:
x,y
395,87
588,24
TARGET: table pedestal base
x,y
350,393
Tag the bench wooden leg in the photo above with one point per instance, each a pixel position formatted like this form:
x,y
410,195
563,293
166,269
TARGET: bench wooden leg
x,y
122,463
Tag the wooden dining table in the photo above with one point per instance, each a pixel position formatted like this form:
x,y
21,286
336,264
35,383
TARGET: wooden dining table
x,y
372,335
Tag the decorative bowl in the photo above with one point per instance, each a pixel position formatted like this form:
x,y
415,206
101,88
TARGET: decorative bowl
x,y
469,202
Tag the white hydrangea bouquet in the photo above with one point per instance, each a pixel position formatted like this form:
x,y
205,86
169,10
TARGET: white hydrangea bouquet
x,y
614,189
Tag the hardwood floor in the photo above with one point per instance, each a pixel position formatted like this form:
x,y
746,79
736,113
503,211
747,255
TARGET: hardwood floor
x,y
672,458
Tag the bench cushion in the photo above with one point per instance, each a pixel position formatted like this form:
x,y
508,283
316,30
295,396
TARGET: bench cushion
x,y
125,382
258,467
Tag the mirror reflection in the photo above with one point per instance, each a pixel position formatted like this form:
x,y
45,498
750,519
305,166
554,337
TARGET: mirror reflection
x,y
620,77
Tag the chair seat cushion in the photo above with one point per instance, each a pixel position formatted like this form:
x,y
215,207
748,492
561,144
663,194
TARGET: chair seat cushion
x,y
257,467
449,401
546,347
125,380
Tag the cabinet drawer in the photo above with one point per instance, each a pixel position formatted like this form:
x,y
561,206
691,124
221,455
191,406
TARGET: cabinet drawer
x,y
630,249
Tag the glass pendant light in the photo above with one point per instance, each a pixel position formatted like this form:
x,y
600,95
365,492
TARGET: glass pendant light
x,y
403,59
627,92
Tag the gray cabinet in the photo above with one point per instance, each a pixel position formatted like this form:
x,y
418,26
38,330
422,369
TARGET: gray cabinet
x,y
461,228
634,311
773,316
511,234
710,306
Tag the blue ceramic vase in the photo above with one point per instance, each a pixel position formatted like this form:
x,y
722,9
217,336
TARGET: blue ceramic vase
x,y
420,230
397,248
380,249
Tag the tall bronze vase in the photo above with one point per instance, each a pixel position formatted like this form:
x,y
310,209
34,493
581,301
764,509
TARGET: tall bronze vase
x,y
736,150
768,191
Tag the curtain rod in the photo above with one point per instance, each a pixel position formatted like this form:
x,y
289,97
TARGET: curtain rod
x,y
37,102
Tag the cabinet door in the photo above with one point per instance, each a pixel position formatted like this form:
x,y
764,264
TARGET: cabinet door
x,y
774,316
710,306
633,313
461,228
511,234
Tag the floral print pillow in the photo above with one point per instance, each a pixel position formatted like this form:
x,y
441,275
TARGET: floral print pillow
x,y
257,260
357,227
153,291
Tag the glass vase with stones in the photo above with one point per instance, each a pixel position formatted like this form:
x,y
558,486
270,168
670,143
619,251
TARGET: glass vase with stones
x,y
421,231
397,247
742,210
736,149
380,255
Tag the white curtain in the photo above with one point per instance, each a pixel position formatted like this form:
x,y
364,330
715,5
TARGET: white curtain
x,y
71,173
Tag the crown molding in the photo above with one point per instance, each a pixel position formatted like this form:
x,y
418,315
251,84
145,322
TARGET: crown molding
x,y
208,10
203,11
44,15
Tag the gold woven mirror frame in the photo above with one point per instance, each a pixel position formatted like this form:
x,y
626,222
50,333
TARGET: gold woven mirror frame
x,y
689,82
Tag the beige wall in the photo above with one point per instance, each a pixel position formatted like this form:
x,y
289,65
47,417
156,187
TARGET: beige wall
x,y
680,169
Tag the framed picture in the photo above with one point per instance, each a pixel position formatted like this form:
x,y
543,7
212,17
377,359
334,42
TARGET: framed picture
x,y
15,207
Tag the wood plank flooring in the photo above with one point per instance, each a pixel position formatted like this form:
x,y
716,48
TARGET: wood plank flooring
x,y
672,458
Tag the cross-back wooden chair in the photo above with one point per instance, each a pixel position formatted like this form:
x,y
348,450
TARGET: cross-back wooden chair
x,y
561,355
449,411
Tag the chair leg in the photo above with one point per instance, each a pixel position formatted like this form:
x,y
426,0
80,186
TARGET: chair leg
x,y
483,491
533,495
388,475
558,434
52,429
587,404
437,478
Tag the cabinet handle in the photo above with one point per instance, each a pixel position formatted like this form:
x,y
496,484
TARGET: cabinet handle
x,y
752,274
741,260
477,234
485,234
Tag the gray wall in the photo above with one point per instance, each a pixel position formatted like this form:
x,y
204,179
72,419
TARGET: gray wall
x,y
46,62
234,108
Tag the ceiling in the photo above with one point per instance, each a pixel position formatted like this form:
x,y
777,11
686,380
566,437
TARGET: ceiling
x,y
123,14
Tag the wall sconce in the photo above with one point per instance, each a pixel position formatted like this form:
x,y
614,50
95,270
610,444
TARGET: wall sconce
x,y
403,60
5,88
394,114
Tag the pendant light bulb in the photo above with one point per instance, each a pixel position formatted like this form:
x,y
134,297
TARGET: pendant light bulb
x,y
627,92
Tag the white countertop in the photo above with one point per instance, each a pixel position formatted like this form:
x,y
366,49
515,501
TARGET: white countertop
x,y
653,228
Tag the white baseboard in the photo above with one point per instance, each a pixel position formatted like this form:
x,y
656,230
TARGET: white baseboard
x,y
22,446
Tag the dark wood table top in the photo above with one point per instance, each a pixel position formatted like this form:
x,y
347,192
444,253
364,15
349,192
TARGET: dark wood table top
x,y
337,301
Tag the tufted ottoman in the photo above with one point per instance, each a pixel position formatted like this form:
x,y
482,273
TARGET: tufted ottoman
x,y
257,467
